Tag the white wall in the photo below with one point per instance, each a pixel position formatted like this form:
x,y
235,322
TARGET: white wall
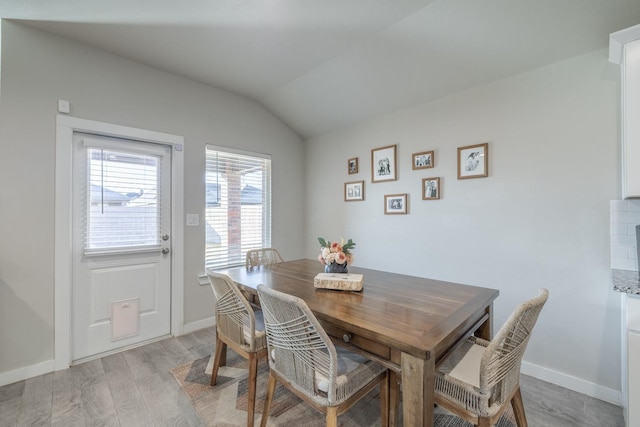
x,y
541,218
37,70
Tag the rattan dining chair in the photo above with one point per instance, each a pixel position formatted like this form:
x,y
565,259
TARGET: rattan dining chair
x,y
239,327
264,256
480,378
303,358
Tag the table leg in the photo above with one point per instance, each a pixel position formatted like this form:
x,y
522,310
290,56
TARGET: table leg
x,y
394,398
417,390
485,331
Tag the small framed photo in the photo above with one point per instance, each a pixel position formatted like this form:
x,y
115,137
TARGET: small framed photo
x,y
430,188
383,164
352,165
395,204
353,191
473,161
422,160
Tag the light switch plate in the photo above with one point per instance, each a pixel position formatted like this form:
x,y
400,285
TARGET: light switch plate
x,y
193,219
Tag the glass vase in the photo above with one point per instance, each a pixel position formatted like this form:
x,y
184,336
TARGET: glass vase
x,y
334,267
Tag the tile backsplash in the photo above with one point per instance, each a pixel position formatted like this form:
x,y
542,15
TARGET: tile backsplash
x,y
625,215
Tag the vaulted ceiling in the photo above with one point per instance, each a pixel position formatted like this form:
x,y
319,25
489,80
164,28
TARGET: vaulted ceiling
x,y
320,65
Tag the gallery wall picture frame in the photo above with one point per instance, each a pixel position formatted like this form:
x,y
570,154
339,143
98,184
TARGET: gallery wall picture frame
x,y
431,188
383,164
473,161
352,165
353,191
423,160
395,204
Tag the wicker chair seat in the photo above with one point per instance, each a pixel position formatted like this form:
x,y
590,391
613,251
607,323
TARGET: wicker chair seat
x,y
237,321
260,336
464,363
351,366
458,379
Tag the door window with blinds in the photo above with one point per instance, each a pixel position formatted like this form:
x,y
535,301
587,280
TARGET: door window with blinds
x,y
122,199
238,205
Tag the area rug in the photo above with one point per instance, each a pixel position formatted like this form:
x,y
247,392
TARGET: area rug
x,y
225,404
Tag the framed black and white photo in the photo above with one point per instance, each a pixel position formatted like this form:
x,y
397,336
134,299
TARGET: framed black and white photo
x,y
395,204
422,160
383,164
473,161
430,188
353,191
352,165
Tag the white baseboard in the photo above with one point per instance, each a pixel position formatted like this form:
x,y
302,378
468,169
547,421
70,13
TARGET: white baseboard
x,y
45,367
26,372
572,383
199,324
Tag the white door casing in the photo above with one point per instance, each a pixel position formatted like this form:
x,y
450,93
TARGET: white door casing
x,y
64,243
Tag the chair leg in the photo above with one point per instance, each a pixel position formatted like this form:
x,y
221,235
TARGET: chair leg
x,y
332,416
219,359
518,409
223,355
267,401
253,378
484,422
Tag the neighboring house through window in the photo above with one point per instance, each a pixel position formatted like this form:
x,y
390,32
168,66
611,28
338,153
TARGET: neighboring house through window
x,y
238,205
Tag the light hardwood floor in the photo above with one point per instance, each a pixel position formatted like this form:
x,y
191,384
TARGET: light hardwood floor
x,y
135,388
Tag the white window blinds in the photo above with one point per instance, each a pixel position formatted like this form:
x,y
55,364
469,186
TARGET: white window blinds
x,y
238,205
122,200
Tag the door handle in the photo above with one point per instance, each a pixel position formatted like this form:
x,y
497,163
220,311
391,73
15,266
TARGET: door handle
x,y
165,251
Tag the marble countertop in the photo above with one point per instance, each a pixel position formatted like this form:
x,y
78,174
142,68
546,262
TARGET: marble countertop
x,y
626,281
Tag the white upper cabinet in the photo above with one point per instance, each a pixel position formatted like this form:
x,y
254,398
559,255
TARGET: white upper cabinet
x,y
624,49
631,120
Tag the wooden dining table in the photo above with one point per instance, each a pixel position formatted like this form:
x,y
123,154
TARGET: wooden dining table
x,y
407,323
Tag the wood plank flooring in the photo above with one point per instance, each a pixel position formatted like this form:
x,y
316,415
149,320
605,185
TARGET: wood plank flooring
x,y
135,388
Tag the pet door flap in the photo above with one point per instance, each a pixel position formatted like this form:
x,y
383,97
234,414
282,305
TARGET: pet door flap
x,y
125,316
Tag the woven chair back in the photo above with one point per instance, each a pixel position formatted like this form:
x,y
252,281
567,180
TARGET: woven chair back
x,y
501,361
234,316
265,256
299,348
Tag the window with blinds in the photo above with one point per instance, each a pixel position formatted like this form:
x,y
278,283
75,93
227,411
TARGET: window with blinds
x,y
238,205
122,201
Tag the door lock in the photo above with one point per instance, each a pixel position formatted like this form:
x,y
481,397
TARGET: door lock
x,y
165,237
165,251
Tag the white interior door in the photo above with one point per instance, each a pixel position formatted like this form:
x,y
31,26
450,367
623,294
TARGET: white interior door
x,y
121,221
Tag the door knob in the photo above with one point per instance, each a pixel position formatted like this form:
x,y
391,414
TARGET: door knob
x,y
165,251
